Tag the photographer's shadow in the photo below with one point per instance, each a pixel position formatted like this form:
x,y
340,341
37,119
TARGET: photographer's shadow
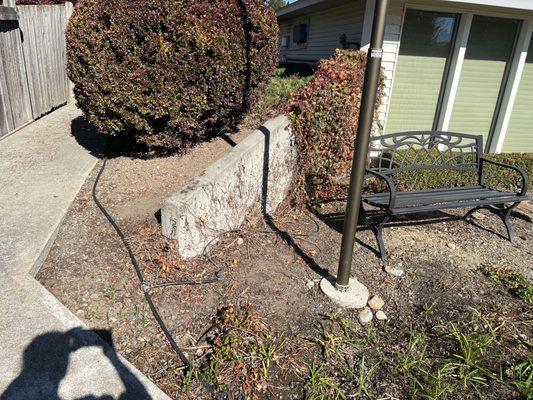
x,y
46,361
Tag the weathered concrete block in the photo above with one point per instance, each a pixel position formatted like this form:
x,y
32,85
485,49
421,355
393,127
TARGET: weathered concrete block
x,y
255,176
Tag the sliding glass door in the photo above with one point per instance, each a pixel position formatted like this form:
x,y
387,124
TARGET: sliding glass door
x,y
425,52
483,76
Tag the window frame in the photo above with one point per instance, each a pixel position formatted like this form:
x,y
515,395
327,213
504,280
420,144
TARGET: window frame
x,y
292,44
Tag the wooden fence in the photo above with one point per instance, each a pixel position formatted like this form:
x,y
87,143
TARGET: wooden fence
x,y
33,78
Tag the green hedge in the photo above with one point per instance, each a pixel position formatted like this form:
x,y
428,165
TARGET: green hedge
x,y
496,177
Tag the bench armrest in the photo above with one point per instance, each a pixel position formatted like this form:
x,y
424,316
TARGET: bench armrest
x,y
389,182
525,179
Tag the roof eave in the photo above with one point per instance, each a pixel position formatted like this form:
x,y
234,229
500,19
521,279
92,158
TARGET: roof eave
x,y
509,4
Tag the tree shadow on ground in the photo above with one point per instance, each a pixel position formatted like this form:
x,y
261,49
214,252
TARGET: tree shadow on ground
x,y
46,361
87,136
105,146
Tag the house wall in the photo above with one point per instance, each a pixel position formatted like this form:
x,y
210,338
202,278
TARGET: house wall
x,y
392,45
325,30
355,19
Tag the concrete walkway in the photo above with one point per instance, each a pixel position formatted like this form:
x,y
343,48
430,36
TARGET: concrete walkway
x,y
46,351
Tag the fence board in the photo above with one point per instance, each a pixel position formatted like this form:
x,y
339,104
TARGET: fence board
x,y
4,127
33,79
44,49
13,81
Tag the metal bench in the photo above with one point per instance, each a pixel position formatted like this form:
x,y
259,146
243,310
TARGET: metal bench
x,y
408,152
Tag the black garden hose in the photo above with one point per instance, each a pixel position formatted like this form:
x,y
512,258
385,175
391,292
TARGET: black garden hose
x,y
147,287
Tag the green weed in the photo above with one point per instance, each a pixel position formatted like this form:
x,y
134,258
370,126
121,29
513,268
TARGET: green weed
x,y
520,378
243,352
281,87
360,375
336,333
319,386
437,385
411,361
514,281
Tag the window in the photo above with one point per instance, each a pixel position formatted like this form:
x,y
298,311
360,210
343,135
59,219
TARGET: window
x,y
483,76
299,34
452,72
425,52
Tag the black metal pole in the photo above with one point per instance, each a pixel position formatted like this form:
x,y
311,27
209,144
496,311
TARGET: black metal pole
x,y
366,118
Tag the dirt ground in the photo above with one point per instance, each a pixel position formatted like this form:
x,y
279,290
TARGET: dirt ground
x,y
273,268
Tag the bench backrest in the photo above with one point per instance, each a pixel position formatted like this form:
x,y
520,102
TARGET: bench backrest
x,y
425,150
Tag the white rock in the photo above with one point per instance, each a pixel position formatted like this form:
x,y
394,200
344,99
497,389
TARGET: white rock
x,y
396,271
376,303
240,241
451,246
365,316
381,316
310,284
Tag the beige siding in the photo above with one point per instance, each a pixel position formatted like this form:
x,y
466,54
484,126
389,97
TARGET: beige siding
x,y
391,46
325,30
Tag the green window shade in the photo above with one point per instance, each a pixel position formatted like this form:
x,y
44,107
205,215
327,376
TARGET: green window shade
x,y
488,52
519,137
424,53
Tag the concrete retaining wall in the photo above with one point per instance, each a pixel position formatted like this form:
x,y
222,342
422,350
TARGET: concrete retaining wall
x,y
254,176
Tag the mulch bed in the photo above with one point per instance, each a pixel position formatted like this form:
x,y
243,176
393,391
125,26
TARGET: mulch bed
x,y
273,268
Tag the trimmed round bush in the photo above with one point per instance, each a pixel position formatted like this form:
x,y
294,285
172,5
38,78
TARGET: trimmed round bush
x,y
324,115
169,73
43,2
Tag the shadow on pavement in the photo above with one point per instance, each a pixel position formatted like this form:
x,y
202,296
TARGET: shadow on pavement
x,y
46,360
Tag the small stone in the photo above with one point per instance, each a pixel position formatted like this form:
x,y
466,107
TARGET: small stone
x,y
240,241
381,316
310,285
365,316
396,271
478,216
376,303
451,246
199,352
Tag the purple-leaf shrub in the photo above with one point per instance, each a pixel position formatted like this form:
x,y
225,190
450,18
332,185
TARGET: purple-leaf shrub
x,y
169,73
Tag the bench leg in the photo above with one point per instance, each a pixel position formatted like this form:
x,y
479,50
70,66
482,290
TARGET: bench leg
x,y
505,214
377,229
501,211
472,211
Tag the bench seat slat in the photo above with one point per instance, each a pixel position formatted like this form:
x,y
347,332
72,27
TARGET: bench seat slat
x,y
460,204
441,198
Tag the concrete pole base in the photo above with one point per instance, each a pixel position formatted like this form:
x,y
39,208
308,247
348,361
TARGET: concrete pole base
x,y
355,297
